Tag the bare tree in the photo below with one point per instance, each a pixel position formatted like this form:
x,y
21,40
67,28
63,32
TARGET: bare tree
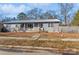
x,y
34,13
50,14
65,9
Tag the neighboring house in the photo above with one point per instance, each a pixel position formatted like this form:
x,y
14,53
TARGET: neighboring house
x,y
47,25
1,26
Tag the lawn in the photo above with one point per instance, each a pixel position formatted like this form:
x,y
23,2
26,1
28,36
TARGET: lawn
x,y
56,43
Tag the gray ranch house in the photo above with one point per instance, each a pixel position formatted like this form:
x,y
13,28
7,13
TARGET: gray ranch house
x,y
47,25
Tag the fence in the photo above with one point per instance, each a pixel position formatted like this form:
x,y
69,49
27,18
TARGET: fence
x,y
69,29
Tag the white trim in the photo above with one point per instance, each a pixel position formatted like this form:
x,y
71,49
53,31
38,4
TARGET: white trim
x,y
31,21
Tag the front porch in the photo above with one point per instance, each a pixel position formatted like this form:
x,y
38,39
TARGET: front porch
x,y
31,27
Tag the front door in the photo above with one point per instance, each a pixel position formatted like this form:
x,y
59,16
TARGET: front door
x,y
40,25
30,25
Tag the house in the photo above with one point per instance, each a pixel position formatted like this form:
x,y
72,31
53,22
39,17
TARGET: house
x,y
47,25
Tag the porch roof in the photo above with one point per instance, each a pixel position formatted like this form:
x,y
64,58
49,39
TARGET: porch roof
x,y
32,21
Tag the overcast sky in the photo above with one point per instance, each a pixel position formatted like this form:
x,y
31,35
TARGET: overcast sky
x,y
11,10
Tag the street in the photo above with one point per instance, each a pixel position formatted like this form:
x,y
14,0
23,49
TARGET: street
x,y
28,52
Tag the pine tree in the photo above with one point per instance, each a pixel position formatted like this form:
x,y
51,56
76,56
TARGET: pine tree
x,y
21,16
75,21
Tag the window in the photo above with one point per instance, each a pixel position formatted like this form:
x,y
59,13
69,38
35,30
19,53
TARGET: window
x,y
16,26
48,24
36,24
51,24
22,25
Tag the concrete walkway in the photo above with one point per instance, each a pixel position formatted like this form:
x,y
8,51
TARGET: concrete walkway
x,y
15,52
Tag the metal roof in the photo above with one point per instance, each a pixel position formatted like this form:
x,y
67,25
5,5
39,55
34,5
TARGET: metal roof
x,y
32,21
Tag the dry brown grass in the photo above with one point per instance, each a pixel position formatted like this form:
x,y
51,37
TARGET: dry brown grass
x,y
41,43
43,34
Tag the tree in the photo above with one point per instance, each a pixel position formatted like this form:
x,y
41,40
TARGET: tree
x,y
49,15
21,16
13,18
34,13
75,20
65,9
7,19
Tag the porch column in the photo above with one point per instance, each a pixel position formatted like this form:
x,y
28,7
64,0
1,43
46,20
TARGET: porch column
x,y
24,27
33,25
38,26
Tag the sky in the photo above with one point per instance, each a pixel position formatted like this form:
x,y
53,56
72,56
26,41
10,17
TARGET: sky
x,y
13,9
